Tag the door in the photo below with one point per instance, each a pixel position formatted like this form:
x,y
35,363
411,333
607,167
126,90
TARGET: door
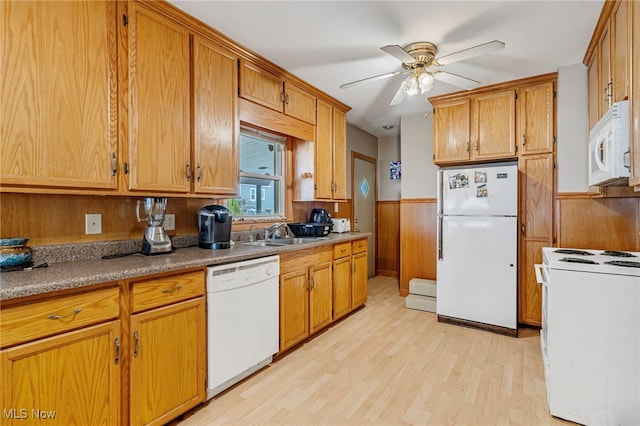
x,y
58,94
168,353
159,103
73,378
363,189
477,274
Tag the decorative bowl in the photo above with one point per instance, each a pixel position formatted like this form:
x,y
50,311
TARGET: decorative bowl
x,y
14,256
13,242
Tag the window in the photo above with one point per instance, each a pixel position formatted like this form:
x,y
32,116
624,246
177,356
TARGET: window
x,y
261,175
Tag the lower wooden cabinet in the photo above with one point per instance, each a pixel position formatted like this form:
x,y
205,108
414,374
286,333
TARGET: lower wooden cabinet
x,y
69,379
167,346
342,287
319,286
359,279
305,294
167,361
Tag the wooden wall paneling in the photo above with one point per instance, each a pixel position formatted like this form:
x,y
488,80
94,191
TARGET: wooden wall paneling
x,y
417,241
611,223
59,219
388,232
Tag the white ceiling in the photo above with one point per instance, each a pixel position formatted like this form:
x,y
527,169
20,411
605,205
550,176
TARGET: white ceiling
x,y
328,43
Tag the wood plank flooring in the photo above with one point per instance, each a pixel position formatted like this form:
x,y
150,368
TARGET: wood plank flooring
x,y
388,365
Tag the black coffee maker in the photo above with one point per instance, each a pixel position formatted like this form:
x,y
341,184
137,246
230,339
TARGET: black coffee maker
x,y
214,227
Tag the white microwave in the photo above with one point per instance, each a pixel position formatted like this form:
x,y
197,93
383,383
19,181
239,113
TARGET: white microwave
x,y
609,157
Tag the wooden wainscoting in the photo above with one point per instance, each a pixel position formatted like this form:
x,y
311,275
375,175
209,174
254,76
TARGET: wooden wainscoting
x,y
388,228
417,241
598,223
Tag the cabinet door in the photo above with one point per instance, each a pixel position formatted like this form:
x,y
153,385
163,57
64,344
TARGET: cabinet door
x,y
593,90
634,179
70,379
620,51
605,70
493,125
341,287
215,123
320,296
58,94
536,228
294,308
159,102
535,118
299,103
168,347
359,279
260,86
324,152
339,155
451,131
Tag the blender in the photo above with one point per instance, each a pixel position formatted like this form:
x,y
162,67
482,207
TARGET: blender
x,y
155,240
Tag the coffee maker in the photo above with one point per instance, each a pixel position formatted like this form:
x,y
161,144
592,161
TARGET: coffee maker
x,y
155,240
214,227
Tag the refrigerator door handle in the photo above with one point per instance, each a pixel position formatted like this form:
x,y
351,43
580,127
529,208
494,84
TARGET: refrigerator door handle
x,y
439,236
439,207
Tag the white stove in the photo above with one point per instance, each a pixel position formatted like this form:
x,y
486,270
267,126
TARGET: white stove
x,y
590,334
596,261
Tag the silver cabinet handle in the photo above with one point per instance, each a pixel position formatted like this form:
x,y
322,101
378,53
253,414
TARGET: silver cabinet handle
x,y
468,146
137,345
477,146
167,291
198,172
188,170
117,343
524,140
56,317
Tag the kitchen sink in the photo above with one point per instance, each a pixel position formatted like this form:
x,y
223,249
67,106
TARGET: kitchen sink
x,y
284,241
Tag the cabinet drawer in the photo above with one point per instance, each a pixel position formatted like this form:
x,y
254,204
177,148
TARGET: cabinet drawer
x,y
341,250
359,246
165,290
23,323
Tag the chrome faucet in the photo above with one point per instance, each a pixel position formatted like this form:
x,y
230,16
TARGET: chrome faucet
x,y
276,230
252,236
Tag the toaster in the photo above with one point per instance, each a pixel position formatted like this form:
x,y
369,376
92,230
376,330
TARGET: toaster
x,y
341,225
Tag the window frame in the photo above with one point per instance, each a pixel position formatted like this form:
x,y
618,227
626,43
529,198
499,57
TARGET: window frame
x,y
280,199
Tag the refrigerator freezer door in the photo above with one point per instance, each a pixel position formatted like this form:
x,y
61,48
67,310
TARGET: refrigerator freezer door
x,y
480,191
477,275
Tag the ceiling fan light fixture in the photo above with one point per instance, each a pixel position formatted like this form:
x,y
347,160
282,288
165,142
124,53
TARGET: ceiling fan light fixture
x,y
425,81
410,85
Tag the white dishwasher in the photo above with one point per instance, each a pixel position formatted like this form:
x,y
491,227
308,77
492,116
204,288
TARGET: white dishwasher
x,y
242,320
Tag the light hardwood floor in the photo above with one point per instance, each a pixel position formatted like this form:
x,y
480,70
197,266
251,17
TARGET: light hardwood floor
x,y
388,365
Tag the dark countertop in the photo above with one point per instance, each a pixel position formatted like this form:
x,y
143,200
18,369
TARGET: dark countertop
x,y
80,273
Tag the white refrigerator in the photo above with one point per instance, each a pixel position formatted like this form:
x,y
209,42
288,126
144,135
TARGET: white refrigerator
x,y
477,253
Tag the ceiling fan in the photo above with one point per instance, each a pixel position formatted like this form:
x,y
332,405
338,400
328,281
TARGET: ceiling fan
x,y
417,57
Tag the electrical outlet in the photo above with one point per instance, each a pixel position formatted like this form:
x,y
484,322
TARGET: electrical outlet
x,y
93,224
170,222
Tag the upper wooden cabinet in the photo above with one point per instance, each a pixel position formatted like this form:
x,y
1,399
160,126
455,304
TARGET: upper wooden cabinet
x,y
158,103
536,114
608,59
330,153
269,90
215,118
451,130
498,122
474,127
58,95
634,179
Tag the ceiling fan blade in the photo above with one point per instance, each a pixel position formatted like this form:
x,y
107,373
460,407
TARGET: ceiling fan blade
x,y
456,80
374,78
399,53
471,52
